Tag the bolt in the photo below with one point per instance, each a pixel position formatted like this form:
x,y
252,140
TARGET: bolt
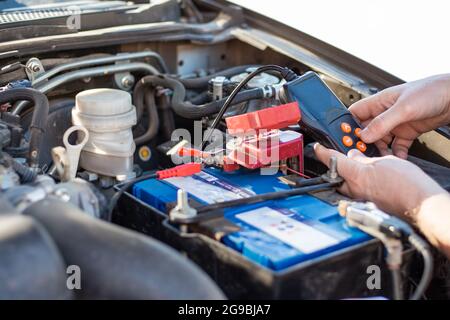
x,y
35,67
182,209
182,198
333,168
128,81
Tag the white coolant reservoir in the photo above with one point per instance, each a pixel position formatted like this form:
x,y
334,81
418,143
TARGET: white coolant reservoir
x,y
108,115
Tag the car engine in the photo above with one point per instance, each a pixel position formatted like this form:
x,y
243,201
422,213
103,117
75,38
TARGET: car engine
x,y
108,152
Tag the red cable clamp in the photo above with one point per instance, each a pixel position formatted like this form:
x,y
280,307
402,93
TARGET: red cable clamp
x,y
183,170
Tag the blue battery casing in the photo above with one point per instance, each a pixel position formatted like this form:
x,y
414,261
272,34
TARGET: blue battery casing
x,y
277,233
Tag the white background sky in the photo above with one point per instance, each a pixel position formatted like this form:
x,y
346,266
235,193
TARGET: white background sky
x,y
410,39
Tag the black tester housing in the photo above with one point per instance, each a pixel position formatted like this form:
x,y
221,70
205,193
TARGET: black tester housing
x,y
324,116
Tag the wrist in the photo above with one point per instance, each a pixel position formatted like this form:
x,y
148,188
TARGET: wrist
x,y
420,197
444,82
432,218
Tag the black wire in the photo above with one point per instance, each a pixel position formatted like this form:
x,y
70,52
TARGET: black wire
x,y
423,248
397,284
287,74
115,198
266,196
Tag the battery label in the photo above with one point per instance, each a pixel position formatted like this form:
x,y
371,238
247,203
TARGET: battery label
x,y
292,232
208,188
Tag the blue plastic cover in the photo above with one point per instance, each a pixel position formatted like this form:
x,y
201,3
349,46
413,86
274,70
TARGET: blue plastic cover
x,y
276,234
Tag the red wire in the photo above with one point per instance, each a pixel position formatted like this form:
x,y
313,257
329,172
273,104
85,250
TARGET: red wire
x,y
299,173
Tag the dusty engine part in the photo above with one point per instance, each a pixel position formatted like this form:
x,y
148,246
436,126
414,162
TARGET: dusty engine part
x,y
8,178
261,80
78,192
66,158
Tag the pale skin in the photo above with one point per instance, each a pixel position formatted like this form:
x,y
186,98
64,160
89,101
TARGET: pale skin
x,y
399,115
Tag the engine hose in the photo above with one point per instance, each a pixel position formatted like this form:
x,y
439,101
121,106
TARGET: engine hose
x,y
38,120
117,263
147,99
201,98
191,111
32,266
202,82
25,173
166,116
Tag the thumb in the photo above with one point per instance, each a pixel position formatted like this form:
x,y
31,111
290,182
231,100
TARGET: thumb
x,y
358,156
382,125
345,166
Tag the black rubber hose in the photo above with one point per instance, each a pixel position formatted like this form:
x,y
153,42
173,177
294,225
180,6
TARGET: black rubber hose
x,y
58,120
117,263
201,98
38,121
147,99
25,173
138,100
166,116
189,110
31,265
202,82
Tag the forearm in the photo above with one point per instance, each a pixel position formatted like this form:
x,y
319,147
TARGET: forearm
x,y
433,219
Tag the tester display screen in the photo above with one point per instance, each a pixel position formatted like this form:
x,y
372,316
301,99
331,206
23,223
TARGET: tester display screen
x,y
313,94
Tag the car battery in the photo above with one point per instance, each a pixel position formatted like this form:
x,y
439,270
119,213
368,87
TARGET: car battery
x,y
276,234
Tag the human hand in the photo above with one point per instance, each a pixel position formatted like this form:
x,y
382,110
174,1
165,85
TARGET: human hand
x,y
393,184
400,114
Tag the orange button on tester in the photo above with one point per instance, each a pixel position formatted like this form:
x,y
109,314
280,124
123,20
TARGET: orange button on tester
x,y
361,146
358,132
345,127
347,141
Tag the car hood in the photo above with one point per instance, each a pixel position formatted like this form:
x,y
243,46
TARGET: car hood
x,y
408,39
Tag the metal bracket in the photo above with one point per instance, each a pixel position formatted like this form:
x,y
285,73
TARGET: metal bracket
x,y
124,80
34,68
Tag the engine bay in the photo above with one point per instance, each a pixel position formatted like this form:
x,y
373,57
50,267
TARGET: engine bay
x,y
137,135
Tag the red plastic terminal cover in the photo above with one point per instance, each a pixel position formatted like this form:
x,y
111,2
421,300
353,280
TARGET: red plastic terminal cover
x,y
271,118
